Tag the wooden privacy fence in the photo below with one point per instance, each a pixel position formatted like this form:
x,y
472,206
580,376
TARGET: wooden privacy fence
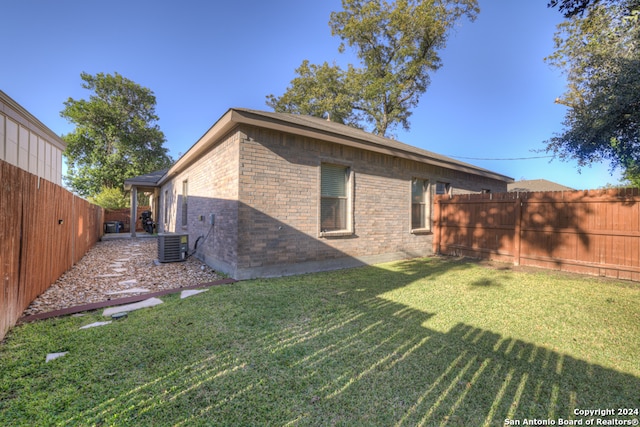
x,y
124,216
592,232
44,230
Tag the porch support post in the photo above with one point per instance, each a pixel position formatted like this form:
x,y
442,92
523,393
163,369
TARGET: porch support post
x,y
134,210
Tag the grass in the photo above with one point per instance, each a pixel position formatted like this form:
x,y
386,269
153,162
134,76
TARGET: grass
x,y
421,342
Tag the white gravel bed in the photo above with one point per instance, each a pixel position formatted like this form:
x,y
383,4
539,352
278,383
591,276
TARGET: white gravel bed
x,y
119,268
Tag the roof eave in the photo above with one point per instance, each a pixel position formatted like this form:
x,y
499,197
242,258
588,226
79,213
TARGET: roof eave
x,y
219,128
31,119
280,125
234,117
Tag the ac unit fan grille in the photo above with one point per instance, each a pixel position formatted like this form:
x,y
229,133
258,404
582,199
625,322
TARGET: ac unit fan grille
x,y
172,247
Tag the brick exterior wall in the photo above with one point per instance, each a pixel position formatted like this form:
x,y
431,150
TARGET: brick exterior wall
x,y
280,196
264,188
212,189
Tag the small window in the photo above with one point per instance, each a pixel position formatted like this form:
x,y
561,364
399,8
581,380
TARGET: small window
x,y
334,198
485,191
442,188
419,204
185,195
165,200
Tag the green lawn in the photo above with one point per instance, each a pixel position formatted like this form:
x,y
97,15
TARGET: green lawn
x,y
424,342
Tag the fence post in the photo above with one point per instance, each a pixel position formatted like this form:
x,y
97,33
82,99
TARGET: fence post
x,y
517,230
437,225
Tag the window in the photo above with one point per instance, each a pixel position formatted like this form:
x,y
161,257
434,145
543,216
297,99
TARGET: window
x,y
442,188
185,192
165,216
419,204
334,198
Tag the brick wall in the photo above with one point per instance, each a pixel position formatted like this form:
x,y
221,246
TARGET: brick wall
x,y
212,189
263,187
279,195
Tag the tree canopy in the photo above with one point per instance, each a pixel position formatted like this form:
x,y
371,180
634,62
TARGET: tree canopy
x,y
599,51
571,8
116,136
397,45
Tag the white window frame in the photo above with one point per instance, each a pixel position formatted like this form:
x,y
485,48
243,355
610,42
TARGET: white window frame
x,y
425,204
349,190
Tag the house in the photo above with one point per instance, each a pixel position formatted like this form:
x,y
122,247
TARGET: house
x,y
531,185
27,143
268,194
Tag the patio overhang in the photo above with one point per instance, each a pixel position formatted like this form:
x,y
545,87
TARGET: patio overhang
x,y
148,183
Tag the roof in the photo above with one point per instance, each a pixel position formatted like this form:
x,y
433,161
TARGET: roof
x,y
532,185
351,132
18,113
320,129
150,179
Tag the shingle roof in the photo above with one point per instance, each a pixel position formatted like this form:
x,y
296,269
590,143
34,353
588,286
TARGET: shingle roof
x,y
532,185
324,125
150,179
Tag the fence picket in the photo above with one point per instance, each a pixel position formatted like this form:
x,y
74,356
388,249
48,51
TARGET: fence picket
x,y
594,232
44,230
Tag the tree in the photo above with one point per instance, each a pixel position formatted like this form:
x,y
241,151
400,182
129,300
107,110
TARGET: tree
x,y
319,89
397,44
111,198
570,8
116,136
599,52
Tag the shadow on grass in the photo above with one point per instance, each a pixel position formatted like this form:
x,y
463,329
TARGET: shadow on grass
x,y
326,349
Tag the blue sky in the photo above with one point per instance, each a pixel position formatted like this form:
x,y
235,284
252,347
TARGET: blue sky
x,y
492,99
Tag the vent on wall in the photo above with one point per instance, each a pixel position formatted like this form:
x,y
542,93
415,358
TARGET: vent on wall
x,y
172,247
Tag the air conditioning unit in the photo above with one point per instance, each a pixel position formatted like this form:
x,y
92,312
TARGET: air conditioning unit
x,y
172,247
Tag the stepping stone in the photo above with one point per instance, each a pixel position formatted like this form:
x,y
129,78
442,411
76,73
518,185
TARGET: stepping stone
x,y
93,325
191,292
130,307
128,291
109,275
123,260
116,265
52,356
119,270
128,282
